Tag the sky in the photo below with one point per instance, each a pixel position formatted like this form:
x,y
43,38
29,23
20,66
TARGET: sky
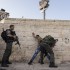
x,y
58,9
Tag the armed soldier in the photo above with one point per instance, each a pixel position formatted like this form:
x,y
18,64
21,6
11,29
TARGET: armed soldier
x,y
47,44
9,36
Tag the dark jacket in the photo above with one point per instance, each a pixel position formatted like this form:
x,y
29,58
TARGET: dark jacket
x,y
10,39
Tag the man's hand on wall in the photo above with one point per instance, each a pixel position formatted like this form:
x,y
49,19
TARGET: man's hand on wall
x,y
33,34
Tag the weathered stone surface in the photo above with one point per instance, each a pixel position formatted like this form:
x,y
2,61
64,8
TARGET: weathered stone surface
x,y
59,29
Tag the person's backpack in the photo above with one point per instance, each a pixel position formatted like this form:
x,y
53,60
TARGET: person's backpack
x,y
4,35
48,40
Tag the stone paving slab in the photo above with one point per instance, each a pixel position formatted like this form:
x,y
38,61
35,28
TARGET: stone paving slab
x,y
25,66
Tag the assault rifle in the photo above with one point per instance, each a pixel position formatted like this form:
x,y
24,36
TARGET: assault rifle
x,y
17,40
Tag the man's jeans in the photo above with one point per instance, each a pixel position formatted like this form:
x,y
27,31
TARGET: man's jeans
x,y
35,54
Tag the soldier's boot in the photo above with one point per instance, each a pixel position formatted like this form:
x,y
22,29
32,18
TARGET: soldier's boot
x,y
52,65
4,65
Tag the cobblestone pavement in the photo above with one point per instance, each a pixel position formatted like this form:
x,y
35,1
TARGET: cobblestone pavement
x,y
36,66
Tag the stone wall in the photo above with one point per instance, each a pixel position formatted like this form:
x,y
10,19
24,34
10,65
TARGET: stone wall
x,y
59,29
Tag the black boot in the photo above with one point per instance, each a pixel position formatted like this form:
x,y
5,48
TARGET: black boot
x,y
52,64
4,65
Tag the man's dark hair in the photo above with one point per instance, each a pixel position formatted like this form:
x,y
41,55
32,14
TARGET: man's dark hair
x,y
11,26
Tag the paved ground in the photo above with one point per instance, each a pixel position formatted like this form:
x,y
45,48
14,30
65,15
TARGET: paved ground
x,y
24,66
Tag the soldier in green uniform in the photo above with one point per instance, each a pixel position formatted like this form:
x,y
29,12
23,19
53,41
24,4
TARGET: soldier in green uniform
x,y
47,44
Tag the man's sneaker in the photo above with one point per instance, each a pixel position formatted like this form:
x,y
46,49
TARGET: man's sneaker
x,y
4,65
30,63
